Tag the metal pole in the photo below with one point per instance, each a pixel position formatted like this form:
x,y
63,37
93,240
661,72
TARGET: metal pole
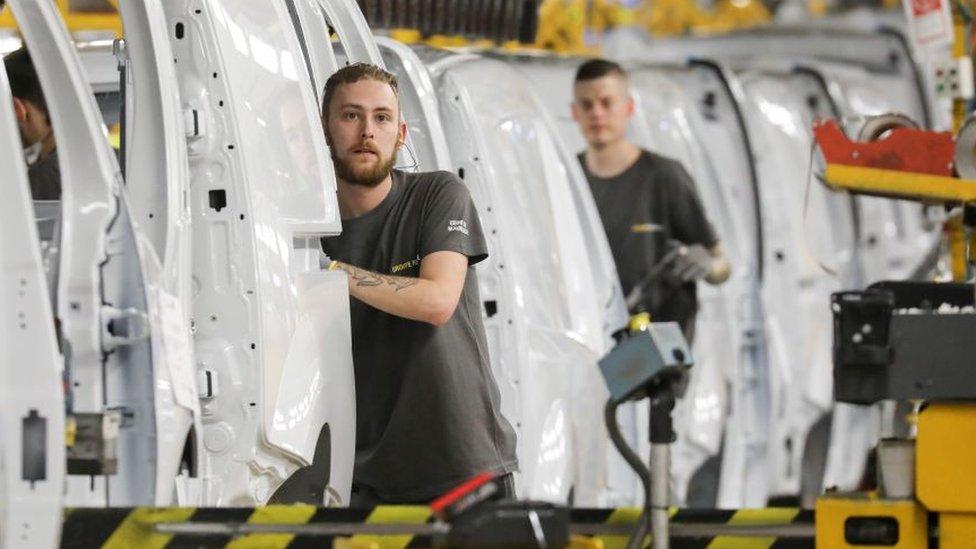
x,y
677,530
314,529
684,530
662,435
660,477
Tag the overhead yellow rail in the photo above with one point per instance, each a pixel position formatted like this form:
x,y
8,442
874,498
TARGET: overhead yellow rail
x,y
575,26
77,20
677,17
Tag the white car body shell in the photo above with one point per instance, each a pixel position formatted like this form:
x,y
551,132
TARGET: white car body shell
x,y
108,275
271,329
32,449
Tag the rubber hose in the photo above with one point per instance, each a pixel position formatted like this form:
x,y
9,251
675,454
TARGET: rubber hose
x,y
632,459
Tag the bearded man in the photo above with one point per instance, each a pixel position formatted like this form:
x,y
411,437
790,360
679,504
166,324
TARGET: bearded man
x,y
427,406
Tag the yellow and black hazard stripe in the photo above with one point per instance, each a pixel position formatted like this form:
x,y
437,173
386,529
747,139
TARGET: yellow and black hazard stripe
x,y
774,516
125,528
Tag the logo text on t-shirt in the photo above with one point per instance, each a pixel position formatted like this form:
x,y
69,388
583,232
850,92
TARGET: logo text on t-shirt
x,y
405,265
645,228
458,225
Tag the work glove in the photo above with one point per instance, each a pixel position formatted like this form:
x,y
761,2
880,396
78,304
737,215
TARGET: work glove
x,y
692,263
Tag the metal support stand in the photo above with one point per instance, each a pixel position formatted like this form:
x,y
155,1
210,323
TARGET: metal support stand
x,y
662,435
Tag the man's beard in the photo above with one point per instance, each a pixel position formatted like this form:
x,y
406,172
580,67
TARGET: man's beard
x,y
369,178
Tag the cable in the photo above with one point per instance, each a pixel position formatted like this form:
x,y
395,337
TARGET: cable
x,y
630,456
805,245
636,294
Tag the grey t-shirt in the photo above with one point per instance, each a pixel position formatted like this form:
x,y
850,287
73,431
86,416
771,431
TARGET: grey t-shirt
x,y
650,203
428,408
45,178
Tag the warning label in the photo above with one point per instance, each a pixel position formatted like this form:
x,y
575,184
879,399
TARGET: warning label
x,y
931,23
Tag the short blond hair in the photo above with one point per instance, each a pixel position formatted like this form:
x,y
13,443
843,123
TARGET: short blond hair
x,y
354,73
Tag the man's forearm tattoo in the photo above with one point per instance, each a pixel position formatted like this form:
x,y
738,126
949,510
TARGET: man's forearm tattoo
x,y
364,278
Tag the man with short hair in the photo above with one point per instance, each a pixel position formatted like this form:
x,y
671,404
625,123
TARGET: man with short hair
x,y
647,202
428,410
34,124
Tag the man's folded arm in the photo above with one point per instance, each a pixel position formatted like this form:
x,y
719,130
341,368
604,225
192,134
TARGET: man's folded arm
x,y
432,297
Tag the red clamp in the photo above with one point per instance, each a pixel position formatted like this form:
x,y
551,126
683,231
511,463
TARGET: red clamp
x,y
479,489
903,149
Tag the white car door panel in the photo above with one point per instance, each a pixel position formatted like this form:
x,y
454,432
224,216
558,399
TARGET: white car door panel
x,y
32,454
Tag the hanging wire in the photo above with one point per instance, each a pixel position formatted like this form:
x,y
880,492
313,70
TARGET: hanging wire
x,y
414,164
833,272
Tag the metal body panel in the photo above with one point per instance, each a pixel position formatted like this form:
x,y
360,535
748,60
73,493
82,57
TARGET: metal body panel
x,y
316,43
797,283
418,106
89,202
354,33
872,42
552,82
263,193
100,65
883,50
101,281
32,453
723,120
545,336
839,444
130,369
157,185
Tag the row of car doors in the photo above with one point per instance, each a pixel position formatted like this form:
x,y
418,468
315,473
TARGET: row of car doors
x,y
190,304
192,315
188,319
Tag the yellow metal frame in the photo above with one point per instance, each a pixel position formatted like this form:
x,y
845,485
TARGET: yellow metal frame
x,y
677,17
76,21
945,457
957,530
562,26
913,186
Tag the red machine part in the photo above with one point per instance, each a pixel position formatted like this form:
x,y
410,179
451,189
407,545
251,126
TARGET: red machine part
x,y
478,489
903,149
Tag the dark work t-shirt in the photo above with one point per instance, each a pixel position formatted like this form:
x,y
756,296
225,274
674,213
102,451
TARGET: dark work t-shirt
x,y
45,178
650,203
427,405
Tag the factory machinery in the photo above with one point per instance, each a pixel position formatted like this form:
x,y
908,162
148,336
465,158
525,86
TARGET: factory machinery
x,y
161,386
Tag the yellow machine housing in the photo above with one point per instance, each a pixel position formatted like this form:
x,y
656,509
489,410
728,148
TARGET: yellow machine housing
x,y
838,514
945,492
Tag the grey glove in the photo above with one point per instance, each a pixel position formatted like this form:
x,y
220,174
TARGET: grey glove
x,y
692,263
